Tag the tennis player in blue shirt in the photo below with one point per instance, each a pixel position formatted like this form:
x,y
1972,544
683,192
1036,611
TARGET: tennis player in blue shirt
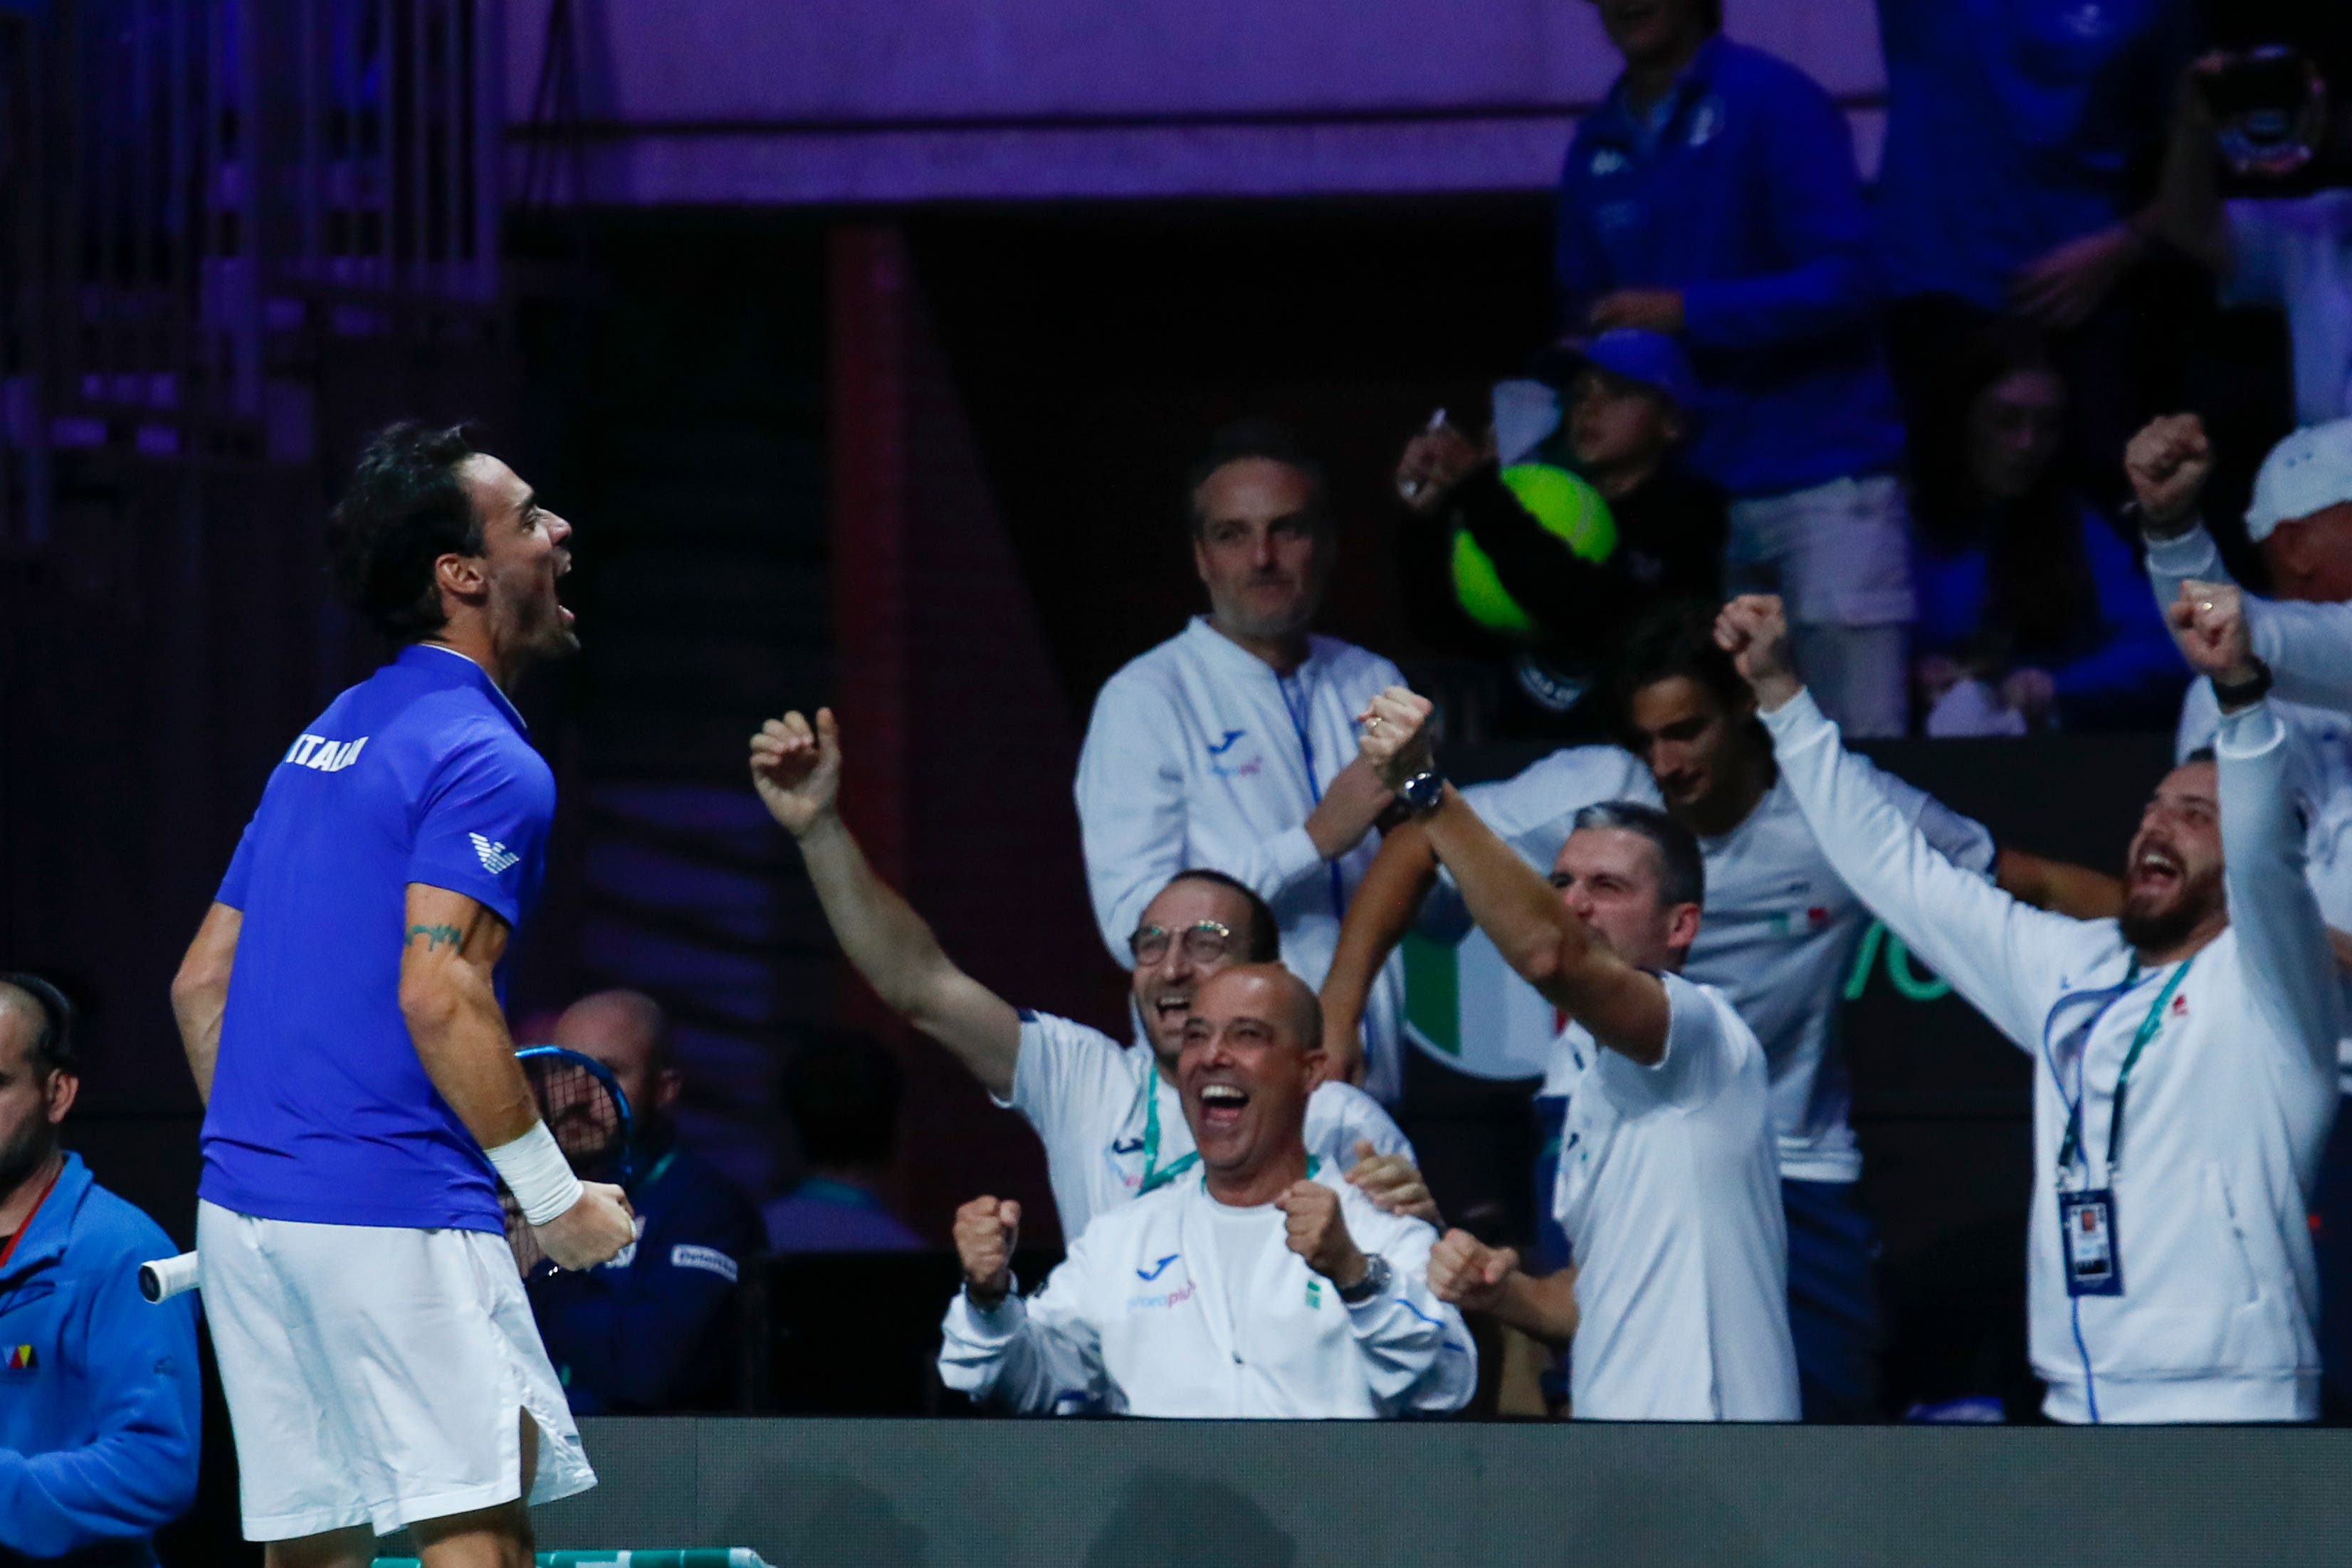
x,y
340,1009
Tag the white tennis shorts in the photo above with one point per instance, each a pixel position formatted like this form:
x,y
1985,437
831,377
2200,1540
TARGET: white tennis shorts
x,y
377,1375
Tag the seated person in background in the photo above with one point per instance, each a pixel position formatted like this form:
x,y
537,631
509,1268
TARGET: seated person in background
x,y
651,1330
100,1401
2286,240
1110,1115
1567,597
2033,611
1263,1285
842,1098
1669,1187
2169,1277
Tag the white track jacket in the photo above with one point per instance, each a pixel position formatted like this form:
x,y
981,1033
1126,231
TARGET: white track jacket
x,y
1200,755
1178,1306
2228,1106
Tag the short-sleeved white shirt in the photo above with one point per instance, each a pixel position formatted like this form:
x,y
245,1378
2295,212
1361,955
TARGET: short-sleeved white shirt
x,y
2297,254
1669,1189
1777,935
1112,1125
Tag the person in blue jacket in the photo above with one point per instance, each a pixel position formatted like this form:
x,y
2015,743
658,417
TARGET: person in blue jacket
x,y
99,1392
653,1331
1713,196
2027,613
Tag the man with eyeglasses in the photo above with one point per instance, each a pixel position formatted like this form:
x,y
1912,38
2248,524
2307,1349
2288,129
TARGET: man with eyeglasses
x,y
1111,1118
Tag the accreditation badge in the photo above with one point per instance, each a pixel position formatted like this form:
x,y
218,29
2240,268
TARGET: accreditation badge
x,y
2087,1229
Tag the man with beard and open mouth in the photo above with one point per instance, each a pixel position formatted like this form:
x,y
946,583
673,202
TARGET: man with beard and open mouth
x,y
2184,1053
1110,1115
1676,1306
1263,1285
342,1010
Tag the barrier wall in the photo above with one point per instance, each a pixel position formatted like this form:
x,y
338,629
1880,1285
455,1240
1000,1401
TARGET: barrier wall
x,y
1293,1495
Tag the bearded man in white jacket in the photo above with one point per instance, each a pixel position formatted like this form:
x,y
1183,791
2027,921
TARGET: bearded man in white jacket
x,y
1231,747
1264,1286
2184,1053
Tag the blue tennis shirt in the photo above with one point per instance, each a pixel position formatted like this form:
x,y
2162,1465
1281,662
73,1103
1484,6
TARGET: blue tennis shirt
x,y
320,1111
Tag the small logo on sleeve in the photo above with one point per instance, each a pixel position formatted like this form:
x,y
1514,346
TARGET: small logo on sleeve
x,y
497,859
21,1358
710,1260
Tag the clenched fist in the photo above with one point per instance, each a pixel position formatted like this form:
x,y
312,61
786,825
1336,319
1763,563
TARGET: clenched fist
x,y
2168,463
986,1231
1318,1233
1754,631
1396,735
1470,1274
2208,621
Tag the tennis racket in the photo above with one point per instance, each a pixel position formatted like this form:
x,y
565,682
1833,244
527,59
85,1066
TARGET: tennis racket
x,y
583,1107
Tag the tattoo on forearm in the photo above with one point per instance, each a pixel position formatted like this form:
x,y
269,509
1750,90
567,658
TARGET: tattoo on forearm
x,y
435,935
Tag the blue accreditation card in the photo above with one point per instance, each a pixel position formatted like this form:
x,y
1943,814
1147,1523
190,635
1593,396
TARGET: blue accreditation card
x,y
2086,1232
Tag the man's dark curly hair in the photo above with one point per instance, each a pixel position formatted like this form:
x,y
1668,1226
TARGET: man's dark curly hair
x,y
404,510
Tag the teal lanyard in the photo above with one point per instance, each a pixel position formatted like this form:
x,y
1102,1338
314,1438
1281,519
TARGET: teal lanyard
x,y
1153,1176
2147,1028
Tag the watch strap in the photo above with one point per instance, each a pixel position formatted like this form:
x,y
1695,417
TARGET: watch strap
x,y
2244,693
1376,1275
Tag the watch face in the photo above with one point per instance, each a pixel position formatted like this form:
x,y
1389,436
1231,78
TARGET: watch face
x,y
1422,790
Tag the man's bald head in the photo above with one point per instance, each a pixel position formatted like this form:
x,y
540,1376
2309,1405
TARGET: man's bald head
x,y
36,1018
628,1033
1282,996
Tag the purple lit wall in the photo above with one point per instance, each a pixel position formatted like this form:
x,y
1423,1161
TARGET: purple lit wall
x,y
843,101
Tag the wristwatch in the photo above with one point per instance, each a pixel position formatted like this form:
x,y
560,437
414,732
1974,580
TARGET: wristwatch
x,y
1376,1273
1422,792
2246,694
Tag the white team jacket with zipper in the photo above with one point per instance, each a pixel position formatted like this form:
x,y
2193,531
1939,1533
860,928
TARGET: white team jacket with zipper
x,y
1141,1318
2227,1109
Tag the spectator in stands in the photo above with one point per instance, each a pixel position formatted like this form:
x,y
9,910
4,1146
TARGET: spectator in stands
x,y
1266,1286
1778,938
2032,610
1110,1116
2287,242
2018,139
1229,747
2301,520
842,1098
2171,1278
1668,1184
1713,196
99,1400
653,1330
1628,394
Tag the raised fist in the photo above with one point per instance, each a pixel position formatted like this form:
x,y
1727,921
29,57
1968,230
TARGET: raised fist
x,y
1396,735
1317,1231
1467,1272
2208,621
986,1231
2168,463
1754,631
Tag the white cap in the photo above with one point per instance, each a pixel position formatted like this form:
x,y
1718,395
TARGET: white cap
x,y
2308,472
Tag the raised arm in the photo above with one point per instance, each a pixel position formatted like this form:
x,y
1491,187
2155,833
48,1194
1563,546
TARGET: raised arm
x,y
2283,940
796,767
450,997
1624,1006
200,991
1418,1359
2001,954
1378,917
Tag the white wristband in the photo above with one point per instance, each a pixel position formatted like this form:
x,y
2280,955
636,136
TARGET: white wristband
x,y
534,1170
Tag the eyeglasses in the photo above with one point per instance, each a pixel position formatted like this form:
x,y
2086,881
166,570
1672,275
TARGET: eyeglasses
x,y
1205,942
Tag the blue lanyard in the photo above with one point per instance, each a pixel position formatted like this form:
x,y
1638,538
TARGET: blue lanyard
x,y
1300,712
2073,1143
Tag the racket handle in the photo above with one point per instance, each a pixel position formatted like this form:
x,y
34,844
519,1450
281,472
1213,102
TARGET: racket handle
x,y
165,1278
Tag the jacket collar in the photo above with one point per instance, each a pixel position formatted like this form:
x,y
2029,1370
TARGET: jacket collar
x,y
1221,651
1622,126
53,1223
448,667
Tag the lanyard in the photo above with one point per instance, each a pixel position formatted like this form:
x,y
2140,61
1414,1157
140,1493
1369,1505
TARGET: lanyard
x,y
15,1241
1300,712
2146,1031
1153,1177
